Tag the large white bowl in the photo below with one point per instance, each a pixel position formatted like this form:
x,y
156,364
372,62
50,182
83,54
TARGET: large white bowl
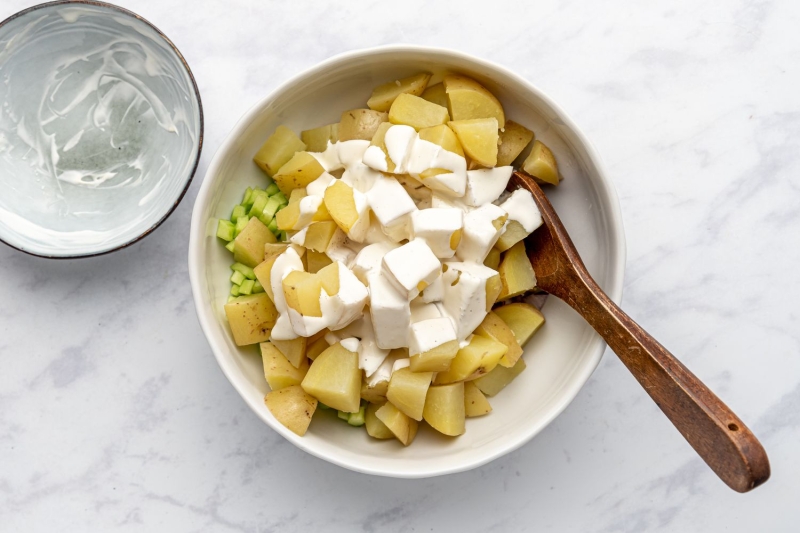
x,y
560,358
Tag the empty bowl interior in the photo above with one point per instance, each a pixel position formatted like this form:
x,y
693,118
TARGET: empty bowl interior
x,y
100,129
561,355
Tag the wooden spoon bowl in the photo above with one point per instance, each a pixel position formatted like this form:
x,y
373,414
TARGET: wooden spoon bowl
x,y
710,427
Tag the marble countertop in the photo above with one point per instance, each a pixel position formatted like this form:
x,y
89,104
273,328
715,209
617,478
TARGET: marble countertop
x,y
115,415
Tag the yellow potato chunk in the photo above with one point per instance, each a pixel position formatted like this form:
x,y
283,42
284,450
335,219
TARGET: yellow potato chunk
x,y
296,195
251,318
513,140
384,95
445,410
248,246
329,278
494,286
418,113
407,391
278,149
319,235
335,379
475,403
316,347
442,136
288,218
341,205
494,328
278,371
379,140
516,272
292,407
435,360
293,350
317,139
493,259
541,164
376,394
301,290
264,275
468,100
513,234
360,124
479,357
478,138
523,319
297,173
436,95
376,428
497,379
316,261
402,427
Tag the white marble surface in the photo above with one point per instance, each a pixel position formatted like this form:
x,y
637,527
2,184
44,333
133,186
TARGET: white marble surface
x,y
114,414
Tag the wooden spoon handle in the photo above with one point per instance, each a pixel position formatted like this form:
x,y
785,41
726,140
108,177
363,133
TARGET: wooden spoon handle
x,y
713,430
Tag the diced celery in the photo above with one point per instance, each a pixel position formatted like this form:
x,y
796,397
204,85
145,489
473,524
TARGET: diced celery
x,y
344,416
230,246
258,205
257,287
357,419
246,287
273,226
281,198
237,278
225,230
264,220
231,298
234,290
272,189
241,222
244,269
272,206
247,200
238,211
281,236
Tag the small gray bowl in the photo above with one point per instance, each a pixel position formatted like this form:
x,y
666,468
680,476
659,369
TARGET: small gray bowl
x,y
101,128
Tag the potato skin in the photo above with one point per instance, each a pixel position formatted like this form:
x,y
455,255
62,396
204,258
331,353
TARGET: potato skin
x,y
360,124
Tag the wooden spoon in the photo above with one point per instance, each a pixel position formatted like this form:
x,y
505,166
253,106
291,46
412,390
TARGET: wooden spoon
x,y
712,429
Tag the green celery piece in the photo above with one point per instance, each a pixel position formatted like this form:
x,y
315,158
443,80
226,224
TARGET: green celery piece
x,y
231,298
238,211
235,290
246,287
272,189
344,416
244,269
237,278
241,222
273,226
357,419
272,206
247,200
258,205
281,236
225,230
281,198
230,246
257,287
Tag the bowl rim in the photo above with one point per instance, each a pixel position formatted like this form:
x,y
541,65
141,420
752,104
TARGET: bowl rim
x,y
205,316
195,89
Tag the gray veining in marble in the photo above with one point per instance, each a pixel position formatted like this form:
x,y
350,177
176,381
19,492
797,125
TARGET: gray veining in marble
x,y
114,414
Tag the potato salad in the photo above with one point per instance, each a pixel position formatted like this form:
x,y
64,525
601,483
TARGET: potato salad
x,y
381,269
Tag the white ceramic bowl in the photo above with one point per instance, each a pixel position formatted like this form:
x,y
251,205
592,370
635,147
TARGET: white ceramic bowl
x,y
101,128
561,356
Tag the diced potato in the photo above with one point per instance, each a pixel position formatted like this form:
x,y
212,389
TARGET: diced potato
x,y
319,235
341,204
249,244
497,379
494,286
288,218
407,391
293,408
278,371
436,95
444,137
479,357
494,328
513,140
468,100
376,394
383,95
278,149
302,291
436,360
316,347
251,318
264,275
513,234
478,138
475,403
272,249
523,319
296,195
316,261
418,113
445,409
541,164
493,259
293,350
298,172
402,427
379,140
317,139
376,428
516,272
360,124
329,278
335,379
